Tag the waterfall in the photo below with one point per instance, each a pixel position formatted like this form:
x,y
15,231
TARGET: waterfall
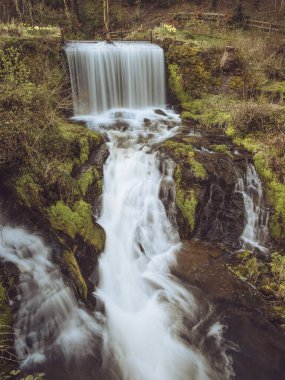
x,y
148,323
48,318
117,75
255,233
151,321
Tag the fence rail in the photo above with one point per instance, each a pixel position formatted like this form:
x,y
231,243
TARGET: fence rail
x,y
225,19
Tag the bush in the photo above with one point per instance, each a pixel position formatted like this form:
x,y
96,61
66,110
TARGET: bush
x,y
251,117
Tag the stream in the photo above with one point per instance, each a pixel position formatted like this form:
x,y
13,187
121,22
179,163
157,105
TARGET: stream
x,y
151,322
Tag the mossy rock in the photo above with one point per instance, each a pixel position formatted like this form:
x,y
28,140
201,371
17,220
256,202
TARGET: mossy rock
x,y
88,178
193,70
77,221
82,137
29,192
183,152
75,274
188,173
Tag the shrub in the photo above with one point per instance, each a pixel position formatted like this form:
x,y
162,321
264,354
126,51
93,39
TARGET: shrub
x,y
251,117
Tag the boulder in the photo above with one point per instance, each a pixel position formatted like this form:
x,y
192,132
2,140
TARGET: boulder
x,y
230,61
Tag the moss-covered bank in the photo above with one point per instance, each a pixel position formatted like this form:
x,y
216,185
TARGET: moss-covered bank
x,y
47,170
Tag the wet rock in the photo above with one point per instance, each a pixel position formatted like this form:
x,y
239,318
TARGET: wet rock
x,y
160,112
208,205
99,156
252,338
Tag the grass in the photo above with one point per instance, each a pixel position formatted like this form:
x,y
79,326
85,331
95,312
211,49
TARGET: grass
x,y
26,31
268,278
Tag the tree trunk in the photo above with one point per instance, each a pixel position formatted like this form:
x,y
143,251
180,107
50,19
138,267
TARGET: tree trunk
x,y
17,6
67,12
106,15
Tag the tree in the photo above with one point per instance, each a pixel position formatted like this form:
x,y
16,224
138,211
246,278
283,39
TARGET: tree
x,y
214,4
106,15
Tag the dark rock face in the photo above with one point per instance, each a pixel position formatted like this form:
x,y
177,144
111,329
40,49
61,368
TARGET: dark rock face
x,y
98,157
221,211
222,217
207,170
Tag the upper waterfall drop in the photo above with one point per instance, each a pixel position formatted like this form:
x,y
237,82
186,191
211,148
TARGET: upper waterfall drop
x,y
115,75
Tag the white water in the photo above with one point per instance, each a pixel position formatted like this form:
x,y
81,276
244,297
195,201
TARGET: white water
x,y
255,233
118,75
149,321
145,306
49,319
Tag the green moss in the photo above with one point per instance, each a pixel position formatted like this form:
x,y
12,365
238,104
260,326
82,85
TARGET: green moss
x,y
77,220
176,83
5,311
91,233
223,148
75,273
210,110
275,87
236,83
249,143
198,168
230,131
29,192
84,149
187,202
267,277
75,134
275,191
62,218
261,164
177,150
87,179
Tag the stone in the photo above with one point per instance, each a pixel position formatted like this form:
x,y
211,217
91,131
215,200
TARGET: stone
x,y
230,61
160,112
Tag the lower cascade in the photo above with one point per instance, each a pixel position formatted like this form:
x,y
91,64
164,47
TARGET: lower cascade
x,y
151,320
255,233
49,320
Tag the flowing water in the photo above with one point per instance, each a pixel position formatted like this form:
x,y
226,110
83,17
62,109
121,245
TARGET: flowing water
x,y
120,75
48,321
147,312
151,326
255,233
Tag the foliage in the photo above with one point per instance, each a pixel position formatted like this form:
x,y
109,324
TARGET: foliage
x,y
268,277
164,30
16,373
193,71
222,148
210,110
251,116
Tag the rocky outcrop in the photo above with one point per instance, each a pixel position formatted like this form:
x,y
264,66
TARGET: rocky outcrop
x,y
207,170
239,306
62,209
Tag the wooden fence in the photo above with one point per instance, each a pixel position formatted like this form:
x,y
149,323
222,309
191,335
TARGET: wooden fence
x,y
224,19
121,35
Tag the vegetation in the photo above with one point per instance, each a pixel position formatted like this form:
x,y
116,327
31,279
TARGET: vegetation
x,y
43,157
246,103
268,278
186,198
